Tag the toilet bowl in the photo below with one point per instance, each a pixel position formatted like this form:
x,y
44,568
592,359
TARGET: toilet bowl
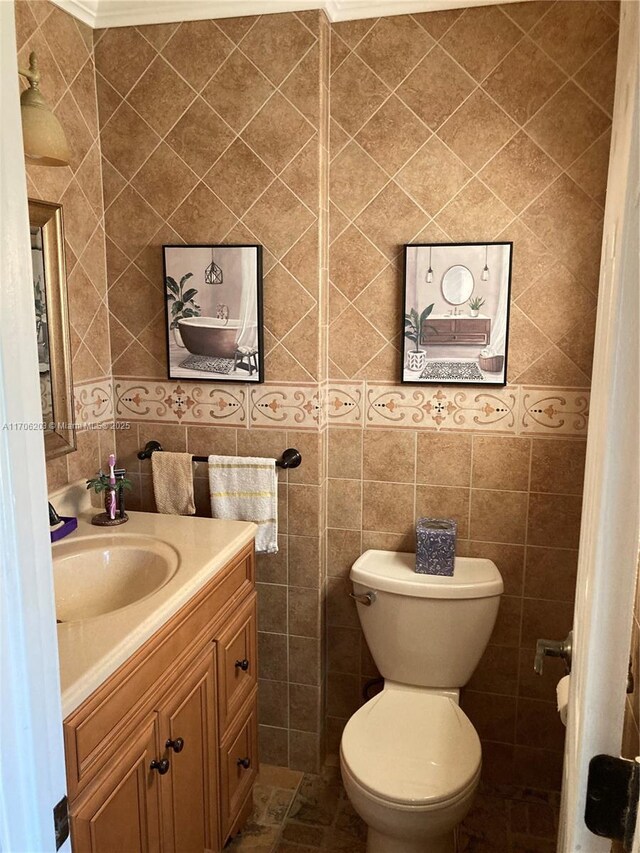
x,y
410,758
410,764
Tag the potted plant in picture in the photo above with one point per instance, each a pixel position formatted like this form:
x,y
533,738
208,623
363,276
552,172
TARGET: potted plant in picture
x,y
413,327
475,305
182,304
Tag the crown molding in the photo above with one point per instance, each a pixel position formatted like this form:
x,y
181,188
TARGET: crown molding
x,y
99,14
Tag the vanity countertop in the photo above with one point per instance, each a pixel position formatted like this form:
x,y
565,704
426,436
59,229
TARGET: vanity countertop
x,y
92,649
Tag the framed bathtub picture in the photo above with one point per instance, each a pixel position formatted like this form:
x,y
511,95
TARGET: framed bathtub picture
x,y
213,300
456,313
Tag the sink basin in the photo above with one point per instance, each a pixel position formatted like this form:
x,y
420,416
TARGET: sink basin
x,y
99,574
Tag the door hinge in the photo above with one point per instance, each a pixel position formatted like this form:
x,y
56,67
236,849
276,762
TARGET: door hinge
x,y
613,787
61,821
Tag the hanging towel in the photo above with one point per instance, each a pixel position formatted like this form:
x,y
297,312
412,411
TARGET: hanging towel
x,y
173,482
245,488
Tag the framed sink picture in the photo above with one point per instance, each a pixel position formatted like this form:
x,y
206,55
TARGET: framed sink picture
x,y
213,299
456,313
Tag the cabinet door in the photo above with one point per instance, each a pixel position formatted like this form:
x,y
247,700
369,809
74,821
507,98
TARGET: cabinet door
x,y
238,764
189,789
122,813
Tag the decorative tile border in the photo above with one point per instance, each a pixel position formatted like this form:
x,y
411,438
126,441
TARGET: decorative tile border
x,y
93,401
513,410
344,403
562,411
282,405
435,408
180,402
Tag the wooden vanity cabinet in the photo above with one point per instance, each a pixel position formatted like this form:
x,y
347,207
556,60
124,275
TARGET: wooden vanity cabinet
x,y
170,766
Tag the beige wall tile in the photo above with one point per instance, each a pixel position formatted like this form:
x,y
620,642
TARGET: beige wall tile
x,y
389,455
554,520
444,502
498,516
344,504
343,549
501,463
558,466
551,573
387,507
304,561
304,612
304,510
443,459
345,453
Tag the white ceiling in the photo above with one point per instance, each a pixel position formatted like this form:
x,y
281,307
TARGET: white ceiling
x,y
122,13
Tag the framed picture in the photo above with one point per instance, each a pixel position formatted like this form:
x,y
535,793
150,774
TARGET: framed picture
x,y
456,313
213,300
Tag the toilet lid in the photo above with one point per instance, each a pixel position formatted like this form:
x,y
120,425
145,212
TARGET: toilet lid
x,y
412,748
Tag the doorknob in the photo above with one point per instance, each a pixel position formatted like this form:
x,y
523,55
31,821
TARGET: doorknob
x,y
553,649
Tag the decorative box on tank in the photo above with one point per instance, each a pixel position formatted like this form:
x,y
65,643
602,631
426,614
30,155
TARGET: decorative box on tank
x,y
436,546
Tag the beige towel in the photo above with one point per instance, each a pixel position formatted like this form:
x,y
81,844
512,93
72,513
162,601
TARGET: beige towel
x,y
173,482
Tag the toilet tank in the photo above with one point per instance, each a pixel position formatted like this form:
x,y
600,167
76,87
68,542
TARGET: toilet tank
x,y
426,630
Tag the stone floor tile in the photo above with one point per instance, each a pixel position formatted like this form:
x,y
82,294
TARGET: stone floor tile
x,y
303,833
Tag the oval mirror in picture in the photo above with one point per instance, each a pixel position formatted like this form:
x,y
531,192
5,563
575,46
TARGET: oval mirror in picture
x,y
457,284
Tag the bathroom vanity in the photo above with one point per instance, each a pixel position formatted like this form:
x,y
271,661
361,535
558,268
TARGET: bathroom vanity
x,y
160,695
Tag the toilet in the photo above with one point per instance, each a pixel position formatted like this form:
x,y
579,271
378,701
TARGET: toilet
x,y
410,758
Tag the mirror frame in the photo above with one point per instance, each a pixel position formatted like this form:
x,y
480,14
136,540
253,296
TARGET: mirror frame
x,y
48,217
446,273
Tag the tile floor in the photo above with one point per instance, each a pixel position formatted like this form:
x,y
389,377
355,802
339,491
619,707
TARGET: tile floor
x,y
304,813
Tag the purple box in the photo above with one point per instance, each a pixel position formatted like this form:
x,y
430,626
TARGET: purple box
x,y
436,546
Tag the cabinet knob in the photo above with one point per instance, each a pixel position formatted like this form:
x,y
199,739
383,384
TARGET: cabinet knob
x,y
161,766
244,762
242,664
176,745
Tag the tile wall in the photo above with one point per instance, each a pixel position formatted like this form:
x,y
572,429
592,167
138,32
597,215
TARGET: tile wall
x,y
64,48
487,123
490,123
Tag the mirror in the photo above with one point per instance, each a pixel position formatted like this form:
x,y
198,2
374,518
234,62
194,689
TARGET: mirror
x,y
52,326
457,284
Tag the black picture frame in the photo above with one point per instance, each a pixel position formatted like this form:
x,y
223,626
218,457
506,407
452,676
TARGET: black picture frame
x,y
214,346
452,345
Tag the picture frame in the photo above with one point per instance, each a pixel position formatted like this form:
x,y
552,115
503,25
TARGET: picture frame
x,y
456,313
213,312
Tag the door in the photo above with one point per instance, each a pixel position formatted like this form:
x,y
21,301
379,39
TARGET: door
x,y
189,789
611,513
123,812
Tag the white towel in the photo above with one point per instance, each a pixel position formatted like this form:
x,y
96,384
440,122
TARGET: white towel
x,y
245,488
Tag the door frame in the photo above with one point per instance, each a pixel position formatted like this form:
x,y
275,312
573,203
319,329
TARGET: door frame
x,y
610,526
32,771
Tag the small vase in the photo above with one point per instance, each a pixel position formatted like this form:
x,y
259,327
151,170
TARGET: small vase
x,y
416,360
177,337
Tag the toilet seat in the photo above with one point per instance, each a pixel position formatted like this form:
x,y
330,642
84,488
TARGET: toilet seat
x,y
411,748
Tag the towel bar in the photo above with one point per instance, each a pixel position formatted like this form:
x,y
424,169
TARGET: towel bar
x,y
291,457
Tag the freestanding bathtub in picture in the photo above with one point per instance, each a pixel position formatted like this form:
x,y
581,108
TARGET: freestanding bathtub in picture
x,y
209,336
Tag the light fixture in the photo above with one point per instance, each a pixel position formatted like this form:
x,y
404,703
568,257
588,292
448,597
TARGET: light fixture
x,y
429,275
213,273
43,137
485,270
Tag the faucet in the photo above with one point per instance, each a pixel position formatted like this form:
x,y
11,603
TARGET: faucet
x,y
222,312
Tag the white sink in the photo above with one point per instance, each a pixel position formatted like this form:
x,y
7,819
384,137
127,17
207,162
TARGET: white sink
x,y
95,575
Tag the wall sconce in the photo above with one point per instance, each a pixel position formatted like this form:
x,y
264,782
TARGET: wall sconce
x,y
44,141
